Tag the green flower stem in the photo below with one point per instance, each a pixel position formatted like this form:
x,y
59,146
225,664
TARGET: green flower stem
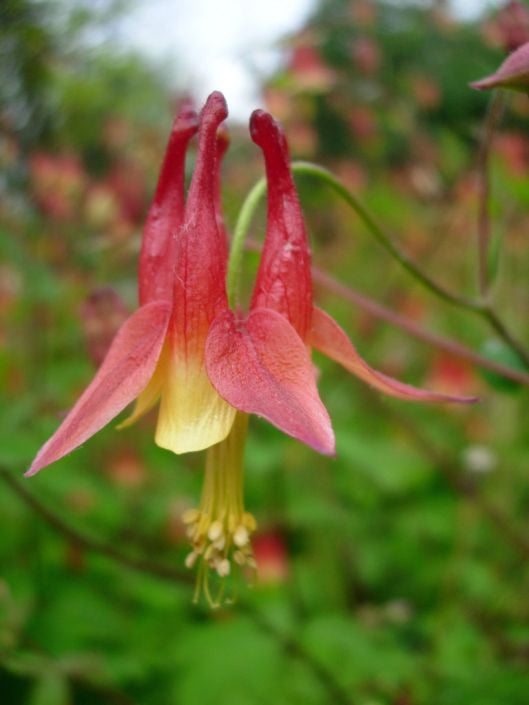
x,y
492,120
239,237
387,243
480,307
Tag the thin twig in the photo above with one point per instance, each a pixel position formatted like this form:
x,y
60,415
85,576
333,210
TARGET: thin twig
x,y
480,307
288,643
492,120
451,346
387,242
91,544
295,649
504,333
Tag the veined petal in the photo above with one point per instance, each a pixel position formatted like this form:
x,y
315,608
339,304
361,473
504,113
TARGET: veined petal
x,y
152,392
165,215
261,366
327,337
192,415
284,281
125,371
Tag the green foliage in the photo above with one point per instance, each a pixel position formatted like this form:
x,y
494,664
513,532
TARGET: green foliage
x,y
401,564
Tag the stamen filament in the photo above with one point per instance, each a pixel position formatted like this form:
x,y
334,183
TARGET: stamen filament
x,y
220,529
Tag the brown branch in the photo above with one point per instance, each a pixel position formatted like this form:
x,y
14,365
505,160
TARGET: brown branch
x,y
453,347
295,649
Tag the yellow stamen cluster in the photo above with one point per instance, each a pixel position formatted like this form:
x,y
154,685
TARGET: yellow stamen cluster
x,y
219,541
220,529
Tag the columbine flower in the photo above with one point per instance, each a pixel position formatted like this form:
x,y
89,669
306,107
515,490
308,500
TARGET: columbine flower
x,y
159,351
208,365
513,73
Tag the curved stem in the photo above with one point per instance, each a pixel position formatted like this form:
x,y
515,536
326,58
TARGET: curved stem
x,y
387,243
239,236
499,326
480,307
492,120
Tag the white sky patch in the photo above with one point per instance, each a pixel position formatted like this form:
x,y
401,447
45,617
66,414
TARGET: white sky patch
x,y
228,45
216,44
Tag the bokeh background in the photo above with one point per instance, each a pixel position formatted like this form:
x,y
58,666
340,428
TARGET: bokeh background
x,y
395,574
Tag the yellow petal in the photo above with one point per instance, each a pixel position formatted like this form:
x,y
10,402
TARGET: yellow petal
x,y
150,395
192,414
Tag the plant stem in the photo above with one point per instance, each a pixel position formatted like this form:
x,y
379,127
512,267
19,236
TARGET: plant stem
x,y
385,240
480,307
492,120
239,236
451,346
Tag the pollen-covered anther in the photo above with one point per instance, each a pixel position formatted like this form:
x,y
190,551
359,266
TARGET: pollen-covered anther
x,y
218,542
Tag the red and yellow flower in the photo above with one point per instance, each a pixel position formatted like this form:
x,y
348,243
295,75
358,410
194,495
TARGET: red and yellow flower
x,y
210,366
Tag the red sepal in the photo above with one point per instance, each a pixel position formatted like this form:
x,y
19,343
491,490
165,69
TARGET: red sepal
x,y
327,337
165,216
200,271
261,366
124,373
284,281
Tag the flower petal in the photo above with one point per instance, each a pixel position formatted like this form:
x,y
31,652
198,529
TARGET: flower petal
x,y
165,215
327,337
261,366
284,281
200,272
125,371
151,394
513,72
192,415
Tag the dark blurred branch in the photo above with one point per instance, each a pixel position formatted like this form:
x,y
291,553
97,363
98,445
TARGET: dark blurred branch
x,y
91,544
492,120
289,644
386,314
508,648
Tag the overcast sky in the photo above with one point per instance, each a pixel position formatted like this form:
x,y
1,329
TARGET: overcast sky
x,y
224,44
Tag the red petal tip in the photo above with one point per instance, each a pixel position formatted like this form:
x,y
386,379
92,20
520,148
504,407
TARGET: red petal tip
x,y
216,109
264,127
483,84
186,121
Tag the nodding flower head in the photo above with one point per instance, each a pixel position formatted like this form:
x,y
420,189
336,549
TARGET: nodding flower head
x,y
206,365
